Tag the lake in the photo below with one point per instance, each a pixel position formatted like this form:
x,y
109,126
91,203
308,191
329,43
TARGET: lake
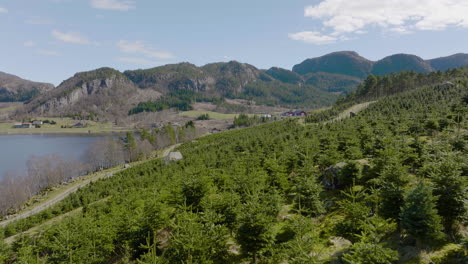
x,y
15,150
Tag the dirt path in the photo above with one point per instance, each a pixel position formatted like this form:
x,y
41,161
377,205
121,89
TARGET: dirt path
x,y
72,189
354,109
169,150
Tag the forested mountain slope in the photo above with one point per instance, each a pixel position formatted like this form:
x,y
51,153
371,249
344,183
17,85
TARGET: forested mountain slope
x,y
342,62
15,89
449,62
110,94
400,62
314,83
386,186
350,63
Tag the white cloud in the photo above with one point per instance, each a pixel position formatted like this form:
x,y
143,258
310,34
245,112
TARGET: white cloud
x,y
140,47
346,17
29,44
70,37
400,30
48,52
313,37
3,10
138,61
119,5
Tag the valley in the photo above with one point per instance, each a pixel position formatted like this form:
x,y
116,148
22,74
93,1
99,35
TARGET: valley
x,y
234,132
385,185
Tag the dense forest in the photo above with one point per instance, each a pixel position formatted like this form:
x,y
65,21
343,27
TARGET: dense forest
x,y
388,185
179,99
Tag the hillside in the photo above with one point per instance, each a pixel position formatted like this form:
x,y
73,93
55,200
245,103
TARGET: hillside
x,y
375,87
332,82
380,87
284,75
385,186
16,89
449,62
343,62
103,93
350,63
400,62
110,94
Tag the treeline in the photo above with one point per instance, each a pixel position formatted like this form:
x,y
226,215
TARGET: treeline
x,y
381,187
20,96
376,87
180,99
44,172
244,120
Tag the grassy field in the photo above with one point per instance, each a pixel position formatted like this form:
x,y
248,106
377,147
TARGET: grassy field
x,y
213,115
91,127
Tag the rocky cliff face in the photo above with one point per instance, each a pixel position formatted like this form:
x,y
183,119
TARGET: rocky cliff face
x,y
215,78
104,92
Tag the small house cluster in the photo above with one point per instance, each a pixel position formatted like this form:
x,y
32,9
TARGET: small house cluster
x,y
294,113
34,124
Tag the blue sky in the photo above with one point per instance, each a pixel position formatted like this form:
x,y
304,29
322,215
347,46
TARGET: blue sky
x,y
50,40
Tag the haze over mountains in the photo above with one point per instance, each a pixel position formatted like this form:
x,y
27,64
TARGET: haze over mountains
x,y
314,83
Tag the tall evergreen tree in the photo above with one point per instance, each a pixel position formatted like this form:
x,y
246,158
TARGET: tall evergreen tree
x,y
419,214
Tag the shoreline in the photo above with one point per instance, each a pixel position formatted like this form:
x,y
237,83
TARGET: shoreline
x,y
38,131
60,192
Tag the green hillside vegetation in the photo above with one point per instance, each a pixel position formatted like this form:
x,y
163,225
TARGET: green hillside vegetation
x,y
149,77
180,99
376,87
230,80
449,62
112,95
335,83
278,93
386,186
400,62
20,96
379,86
284,75
343,62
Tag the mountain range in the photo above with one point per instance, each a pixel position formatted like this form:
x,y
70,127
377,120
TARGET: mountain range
x,y
314,83
352,64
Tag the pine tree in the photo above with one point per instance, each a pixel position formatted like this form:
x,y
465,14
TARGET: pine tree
x,y
3,249
419,214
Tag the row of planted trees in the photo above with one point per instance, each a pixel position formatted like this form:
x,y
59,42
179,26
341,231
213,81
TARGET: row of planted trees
x,y
271,194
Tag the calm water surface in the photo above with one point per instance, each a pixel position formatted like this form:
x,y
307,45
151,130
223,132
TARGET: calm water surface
x,y
15,150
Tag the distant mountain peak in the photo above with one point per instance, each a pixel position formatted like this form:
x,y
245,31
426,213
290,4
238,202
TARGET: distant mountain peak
x,y
352,64
341,62
400,62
